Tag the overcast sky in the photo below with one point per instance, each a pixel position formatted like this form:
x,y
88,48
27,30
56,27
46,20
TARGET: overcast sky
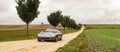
x,y
82,11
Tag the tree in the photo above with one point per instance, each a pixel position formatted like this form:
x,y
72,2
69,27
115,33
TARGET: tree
x,y
65,21
55,18
80,25
27,11
72,24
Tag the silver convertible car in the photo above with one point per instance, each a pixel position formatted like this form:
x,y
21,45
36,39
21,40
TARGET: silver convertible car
x,y
50,34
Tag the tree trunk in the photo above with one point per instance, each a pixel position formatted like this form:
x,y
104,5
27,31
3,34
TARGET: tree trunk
x,y
27,30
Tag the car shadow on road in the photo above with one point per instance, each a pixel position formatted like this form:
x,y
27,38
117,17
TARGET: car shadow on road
x,y
48,41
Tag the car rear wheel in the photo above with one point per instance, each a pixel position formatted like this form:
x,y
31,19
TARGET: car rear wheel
x,y
61,39
39,39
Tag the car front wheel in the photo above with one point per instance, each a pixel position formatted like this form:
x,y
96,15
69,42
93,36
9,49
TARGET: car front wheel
x,y
56,39
39,39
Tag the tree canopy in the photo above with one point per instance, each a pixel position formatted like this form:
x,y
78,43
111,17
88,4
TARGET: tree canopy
x,y
27,10
55,18
65,21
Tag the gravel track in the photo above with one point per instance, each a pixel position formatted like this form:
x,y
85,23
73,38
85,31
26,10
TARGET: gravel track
x,y
35,46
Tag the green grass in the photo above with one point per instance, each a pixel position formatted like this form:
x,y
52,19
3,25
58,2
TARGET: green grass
x,y
12,34
103,40
17,34
103,26
69,30
95,38
75,45
111,34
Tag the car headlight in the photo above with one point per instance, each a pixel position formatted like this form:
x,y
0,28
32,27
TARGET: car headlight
x,y
40,34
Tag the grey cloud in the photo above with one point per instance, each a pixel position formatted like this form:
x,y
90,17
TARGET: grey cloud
x,y
3,6
83,11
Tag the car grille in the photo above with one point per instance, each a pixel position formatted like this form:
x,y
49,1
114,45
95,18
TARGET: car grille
x,y
47,38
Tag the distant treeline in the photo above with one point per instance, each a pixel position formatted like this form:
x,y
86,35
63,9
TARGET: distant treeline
x,y
102,26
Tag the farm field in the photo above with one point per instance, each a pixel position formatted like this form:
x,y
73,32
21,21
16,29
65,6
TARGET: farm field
x,y
102,26
17,34
103,40
95,39
12,33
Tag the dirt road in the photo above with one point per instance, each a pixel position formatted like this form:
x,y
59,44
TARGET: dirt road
x,y
35,46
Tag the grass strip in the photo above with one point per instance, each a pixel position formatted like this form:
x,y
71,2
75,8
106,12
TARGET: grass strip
x,y
20,34
75,45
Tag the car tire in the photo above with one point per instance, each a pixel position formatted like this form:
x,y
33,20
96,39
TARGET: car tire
x,y
39,39
61,39
56,39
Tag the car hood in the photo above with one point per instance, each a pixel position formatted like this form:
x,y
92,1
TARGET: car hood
x,y
47,34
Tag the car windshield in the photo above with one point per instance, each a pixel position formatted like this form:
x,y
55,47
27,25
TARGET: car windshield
x,y
51,30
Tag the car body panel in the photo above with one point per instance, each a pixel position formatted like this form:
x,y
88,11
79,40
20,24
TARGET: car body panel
x,y
50,34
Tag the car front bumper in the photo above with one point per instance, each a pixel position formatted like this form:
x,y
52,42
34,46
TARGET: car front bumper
x,y
46,38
